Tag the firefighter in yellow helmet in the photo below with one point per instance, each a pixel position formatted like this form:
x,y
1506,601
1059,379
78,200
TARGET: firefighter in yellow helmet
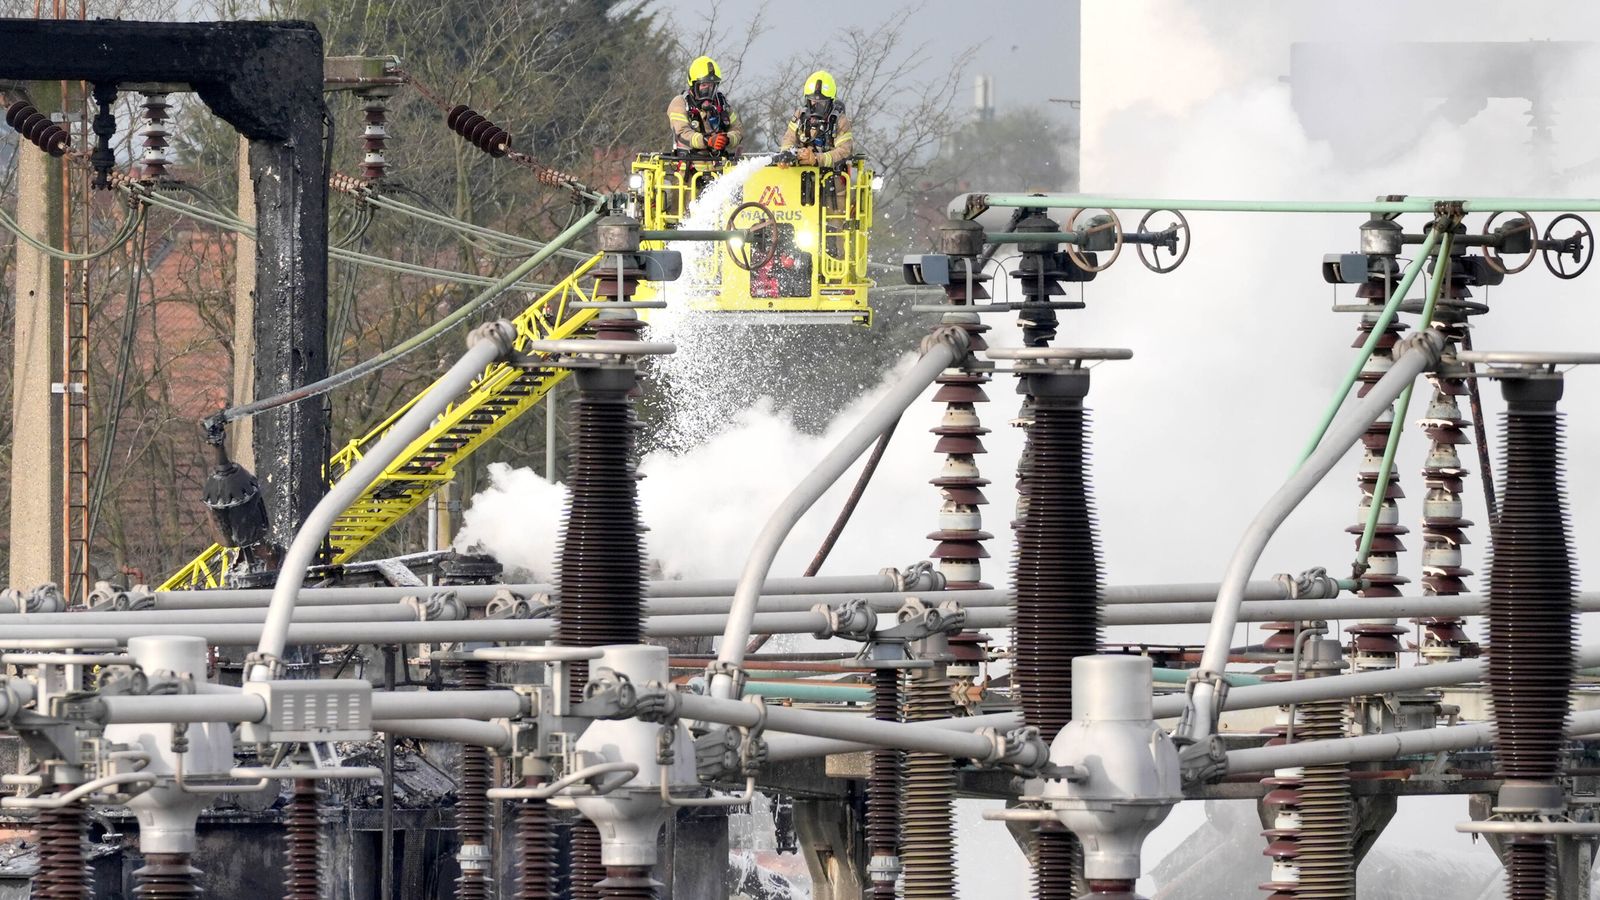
x,y
819,134
701,118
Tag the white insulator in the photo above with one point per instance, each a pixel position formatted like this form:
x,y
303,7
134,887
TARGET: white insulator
x,y
960,570
959,415
958,467
1442,508
959,517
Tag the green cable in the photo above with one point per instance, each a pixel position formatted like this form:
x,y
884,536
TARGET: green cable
x,y
1379,327
462,231
1369,531
124,232
464,227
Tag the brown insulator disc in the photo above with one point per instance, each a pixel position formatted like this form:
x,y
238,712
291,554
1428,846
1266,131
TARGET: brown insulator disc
x,y
587,869
302,841
536,849
927,835
883,781
166,876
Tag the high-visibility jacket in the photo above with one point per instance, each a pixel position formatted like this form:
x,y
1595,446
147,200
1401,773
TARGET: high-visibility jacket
x,y
828,135
693,123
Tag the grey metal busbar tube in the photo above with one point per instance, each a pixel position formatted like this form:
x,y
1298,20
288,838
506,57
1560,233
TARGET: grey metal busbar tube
x,y
360,630
456,731
801,746
389,611
244,634
941,350
1408,205
846,726
488,343
480,594
1421,353
1303,610
1376,747
1338,687
1250,697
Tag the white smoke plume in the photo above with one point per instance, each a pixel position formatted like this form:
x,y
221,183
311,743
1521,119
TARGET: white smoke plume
x,y
1235,354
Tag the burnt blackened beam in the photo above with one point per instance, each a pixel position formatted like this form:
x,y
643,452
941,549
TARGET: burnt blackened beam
x,y
264,79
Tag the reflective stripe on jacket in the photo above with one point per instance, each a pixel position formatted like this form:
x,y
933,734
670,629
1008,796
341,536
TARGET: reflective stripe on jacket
x,y
686,128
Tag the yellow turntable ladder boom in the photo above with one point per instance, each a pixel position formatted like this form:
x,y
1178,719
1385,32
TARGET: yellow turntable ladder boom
x,y
497,398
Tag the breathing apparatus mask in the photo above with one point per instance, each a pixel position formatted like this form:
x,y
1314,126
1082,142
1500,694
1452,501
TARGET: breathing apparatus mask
x,y
817,111
818,107
704,90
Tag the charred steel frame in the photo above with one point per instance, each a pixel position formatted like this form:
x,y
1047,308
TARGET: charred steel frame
x,y
264,79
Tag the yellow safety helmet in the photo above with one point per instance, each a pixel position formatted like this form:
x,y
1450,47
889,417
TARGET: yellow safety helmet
x,y
821,82
704,67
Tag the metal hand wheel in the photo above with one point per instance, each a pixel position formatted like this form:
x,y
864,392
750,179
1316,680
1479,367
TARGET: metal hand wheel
x,y
1174,237
1580,247
1115,226
1525,223
760,244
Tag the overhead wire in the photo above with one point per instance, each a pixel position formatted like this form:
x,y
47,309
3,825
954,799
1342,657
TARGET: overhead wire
x,y
231,223
130,320
492,288
123,234
512,245
413,343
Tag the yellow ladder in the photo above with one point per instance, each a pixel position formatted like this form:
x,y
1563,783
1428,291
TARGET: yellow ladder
x,y
501,394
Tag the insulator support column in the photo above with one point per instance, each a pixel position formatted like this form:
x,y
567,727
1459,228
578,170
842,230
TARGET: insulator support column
x,y
927,833
166,876
960,536
1443,523
1057,858
1057,577
303,839
1532,586
472,801
1311,839
63,863
587,871
883,791
536,849
154,159
1375,643
600,577
374,133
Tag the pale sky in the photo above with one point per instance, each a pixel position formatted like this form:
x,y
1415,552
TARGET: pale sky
x,y
1029,47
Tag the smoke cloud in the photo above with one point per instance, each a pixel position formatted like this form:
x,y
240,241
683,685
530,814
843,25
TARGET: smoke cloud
x,y
1236,353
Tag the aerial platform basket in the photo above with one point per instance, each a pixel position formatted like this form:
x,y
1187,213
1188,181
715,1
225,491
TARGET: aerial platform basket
x,y
806,260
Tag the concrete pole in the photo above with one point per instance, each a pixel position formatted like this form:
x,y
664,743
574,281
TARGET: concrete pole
x,y
291,313
241,434
36,434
